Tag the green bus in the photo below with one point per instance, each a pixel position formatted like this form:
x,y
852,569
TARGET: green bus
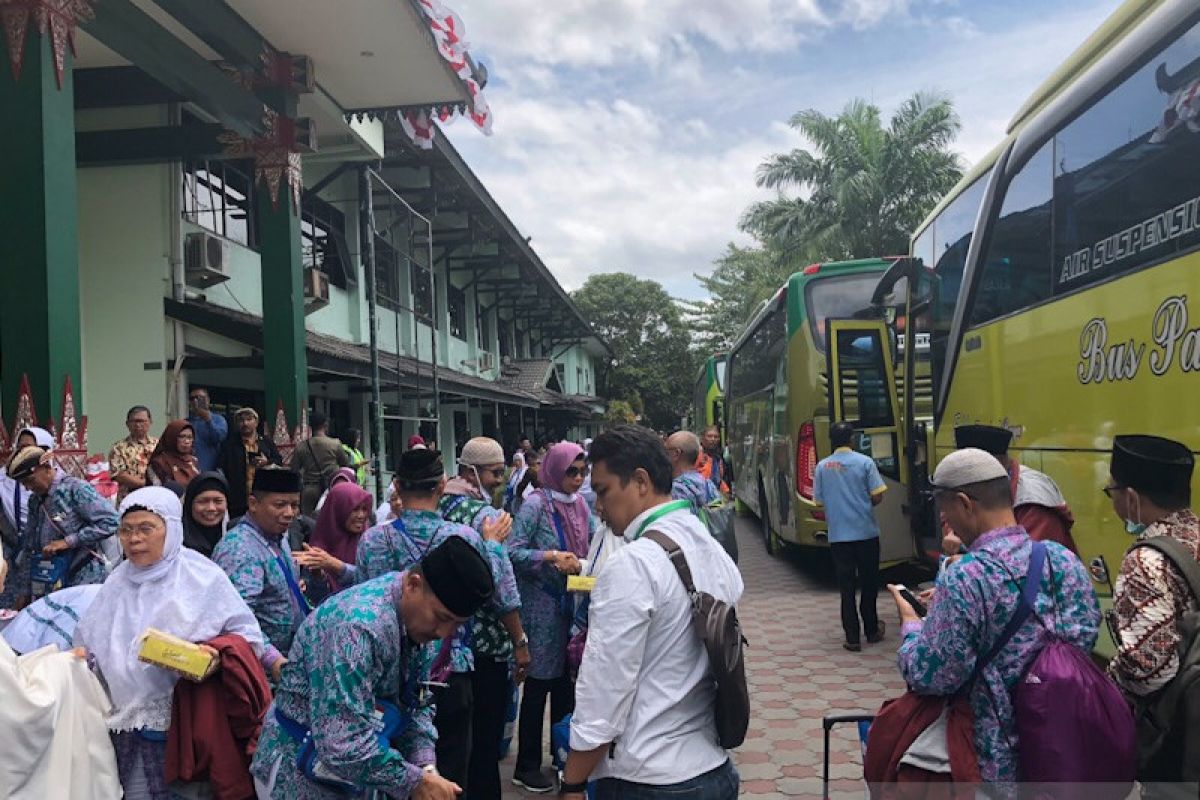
x,y
708,395
779,401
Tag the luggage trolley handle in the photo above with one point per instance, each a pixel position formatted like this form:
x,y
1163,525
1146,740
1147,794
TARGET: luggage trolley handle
x,y
827,724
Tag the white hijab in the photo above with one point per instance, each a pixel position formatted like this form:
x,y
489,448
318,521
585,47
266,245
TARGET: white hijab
x,y
12,493
183,594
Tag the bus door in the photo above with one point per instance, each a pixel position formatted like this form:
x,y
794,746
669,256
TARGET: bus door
x,y
862,391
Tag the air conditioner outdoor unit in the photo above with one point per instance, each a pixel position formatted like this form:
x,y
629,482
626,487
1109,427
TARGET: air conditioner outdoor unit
x,y
486,361
205,260
316,290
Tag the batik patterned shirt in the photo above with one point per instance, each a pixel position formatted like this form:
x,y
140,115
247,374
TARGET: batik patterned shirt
x,y
251,558
546,608
488,636
1150,598
974,602
398,545
128,457
695,488
350,652
74,512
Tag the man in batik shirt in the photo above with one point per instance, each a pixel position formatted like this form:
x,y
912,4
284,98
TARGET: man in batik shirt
x,y
364,645
129,458
405,541
978,597
256,557
494,643
683,448
1151,489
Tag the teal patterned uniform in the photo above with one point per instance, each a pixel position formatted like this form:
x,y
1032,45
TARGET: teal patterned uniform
x,y
488,635
350,652
248,556
398,545
72,511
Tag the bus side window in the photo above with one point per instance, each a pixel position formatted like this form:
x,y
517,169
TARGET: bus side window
x,y
1127,171
862,377
1016,271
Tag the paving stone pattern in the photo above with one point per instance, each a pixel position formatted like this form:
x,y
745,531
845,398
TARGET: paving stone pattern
x,y
799,673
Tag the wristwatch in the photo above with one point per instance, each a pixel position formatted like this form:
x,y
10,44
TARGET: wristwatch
x,y
522,642
430,769
571,788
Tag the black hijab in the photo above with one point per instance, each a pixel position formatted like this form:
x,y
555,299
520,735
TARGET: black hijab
x,y
202,538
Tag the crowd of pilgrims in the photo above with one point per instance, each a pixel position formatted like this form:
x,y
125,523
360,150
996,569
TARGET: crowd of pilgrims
x,y
439,591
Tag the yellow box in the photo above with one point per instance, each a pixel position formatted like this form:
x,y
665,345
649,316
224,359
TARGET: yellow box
x,y
580,583
170,652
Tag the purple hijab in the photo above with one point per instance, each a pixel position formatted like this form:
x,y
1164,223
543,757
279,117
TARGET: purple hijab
x,y
330,534
575,516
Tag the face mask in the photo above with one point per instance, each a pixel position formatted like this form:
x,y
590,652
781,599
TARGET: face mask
x,y
1135,528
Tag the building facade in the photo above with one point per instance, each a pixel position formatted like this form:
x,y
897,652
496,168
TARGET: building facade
x,y
253,199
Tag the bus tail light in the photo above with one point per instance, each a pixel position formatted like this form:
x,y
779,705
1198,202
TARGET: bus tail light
x,y
806,460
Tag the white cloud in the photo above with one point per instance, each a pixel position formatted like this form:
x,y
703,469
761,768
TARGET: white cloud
x,y
622,142
614,186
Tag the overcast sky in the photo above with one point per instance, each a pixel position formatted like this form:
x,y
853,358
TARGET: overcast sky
x,y
627,132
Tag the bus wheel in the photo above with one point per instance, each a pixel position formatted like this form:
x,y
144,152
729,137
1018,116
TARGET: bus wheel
x,y
774,546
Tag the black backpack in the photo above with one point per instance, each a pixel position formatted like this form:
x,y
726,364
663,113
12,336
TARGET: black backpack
x,y
717,625
1174,710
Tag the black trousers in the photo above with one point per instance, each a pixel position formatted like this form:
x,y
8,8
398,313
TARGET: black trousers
x,y
453,722
856,564
489,683
561,692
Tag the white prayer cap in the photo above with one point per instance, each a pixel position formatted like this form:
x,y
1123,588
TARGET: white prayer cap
x,y
967,466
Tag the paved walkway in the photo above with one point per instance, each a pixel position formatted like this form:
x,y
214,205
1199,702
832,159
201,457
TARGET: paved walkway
x,y
798,674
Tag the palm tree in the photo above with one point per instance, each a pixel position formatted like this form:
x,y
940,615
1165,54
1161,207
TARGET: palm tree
x,y
862,189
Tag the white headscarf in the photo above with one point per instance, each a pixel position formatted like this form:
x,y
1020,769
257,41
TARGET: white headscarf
x,y
183,594
10,492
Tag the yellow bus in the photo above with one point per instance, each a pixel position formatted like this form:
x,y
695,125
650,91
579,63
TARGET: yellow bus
x,y
1055,281
708,395
778,402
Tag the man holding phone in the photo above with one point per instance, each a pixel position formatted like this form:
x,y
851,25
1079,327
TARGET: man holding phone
x,y
211,429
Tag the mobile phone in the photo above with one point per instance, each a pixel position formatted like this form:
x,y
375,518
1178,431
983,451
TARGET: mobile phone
x,y
912,600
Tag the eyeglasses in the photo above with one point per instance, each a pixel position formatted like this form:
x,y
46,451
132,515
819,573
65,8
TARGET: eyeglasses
x,y
145,530
1109,491
497,472
575,472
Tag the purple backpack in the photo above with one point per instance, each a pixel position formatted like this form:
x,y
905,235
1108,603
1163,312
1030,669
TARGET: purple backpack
x,y
1073,725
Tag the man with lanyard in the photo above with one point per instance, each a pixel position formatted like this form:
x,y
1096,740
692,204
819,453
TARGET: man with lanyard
x,y
644,718
65,531
361,653
420,478
464,501
256,557
1037,502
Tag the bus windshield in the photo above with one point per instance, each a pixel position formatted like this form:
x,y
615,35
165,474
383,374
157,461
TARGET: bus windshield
x,y
837,297
944,243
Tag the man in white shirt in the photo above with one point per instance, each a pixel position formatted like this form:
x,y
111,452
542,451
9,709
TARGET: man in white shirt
x,y
644,723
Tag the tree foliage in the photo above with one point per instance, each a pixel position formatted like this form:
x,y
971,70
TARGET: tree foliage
x,y
652,363
740,281
862,188
620,412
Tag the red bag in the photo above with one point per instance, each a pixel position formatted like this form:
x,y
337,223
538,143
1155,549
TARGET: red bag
x,y
896,726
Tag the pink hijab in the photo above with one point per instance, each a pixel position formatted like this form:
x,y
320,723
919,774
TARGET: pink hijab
x,y
575,516
330,534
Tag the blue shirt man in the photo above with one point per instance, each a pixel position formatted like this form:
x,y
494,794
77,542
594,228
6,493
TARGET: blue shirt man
x,y
211,430
848,487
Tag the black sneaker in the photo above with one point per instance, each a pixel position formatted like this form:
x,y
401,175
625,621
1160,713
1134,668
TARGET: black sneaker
x,y
534,781
877,636
853,647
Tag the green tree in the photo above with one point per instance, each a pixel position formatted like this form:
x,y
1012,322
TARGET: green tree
x,y
649,337
620,412
862,188
740,281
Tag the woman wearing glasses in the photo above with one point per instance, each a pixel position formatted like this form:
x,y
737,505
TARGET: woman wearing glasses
x,y
165,586
550,541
